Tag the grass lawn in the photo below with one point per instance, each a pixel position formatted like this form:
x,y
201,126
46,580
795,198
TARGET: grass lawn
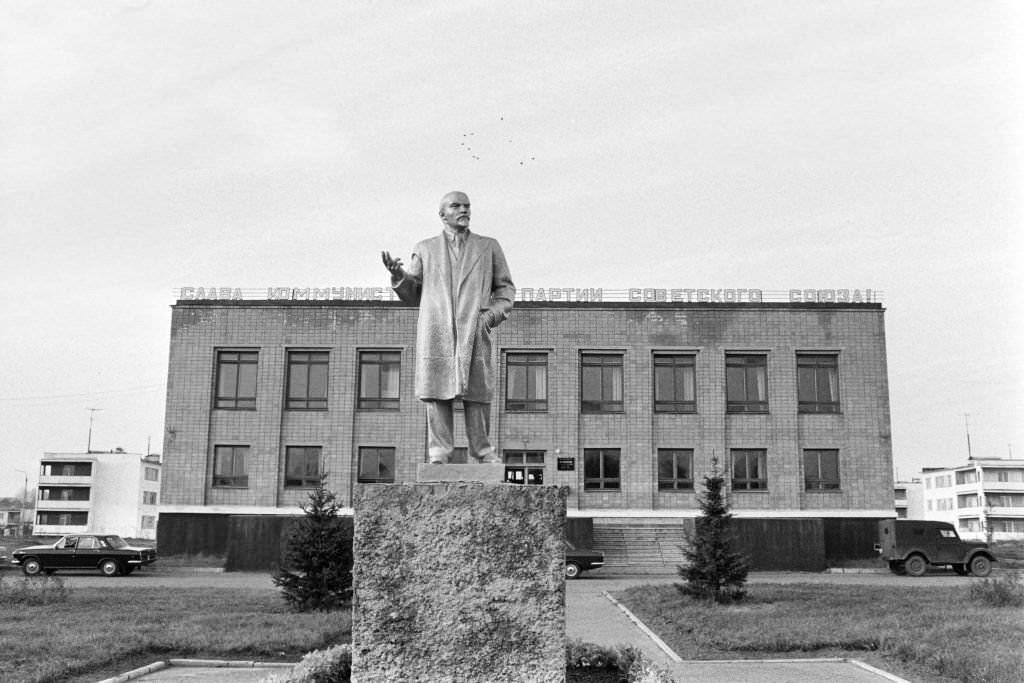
x,y
94,633
920,633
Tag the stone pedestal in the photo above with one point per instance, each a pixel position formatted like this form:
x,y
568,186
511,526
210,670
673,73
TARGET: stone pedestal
x,y
459,582
487,473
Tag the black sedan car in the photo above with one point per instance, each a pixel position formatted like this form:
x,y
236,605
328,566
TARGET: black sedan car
x,y
110,554
578,560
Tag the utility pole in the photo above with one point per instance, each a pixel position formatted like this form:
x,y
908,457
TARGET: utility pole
x,y
92,412
24,507
967,428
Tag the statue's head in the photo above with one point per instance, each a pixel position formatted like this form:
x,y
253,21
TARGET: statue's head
x,y
454,210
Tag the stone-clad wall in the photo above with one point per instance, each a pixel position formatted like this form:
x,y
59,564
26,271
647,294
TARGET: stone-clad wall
x,y
459,582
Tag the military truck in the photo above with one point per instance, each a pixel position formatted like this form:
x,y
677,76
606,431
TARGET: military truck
x,y
912,545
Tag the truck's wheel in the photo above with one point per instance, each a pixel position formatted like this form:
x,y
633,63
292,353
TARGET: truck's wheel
x,y
981,565
916,565
896,567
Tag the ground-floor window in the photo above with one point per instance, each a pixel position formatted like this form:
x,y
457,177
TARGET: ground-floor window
x,y
675,469
376,464
229,466
524,467
749,469
601,468
302,466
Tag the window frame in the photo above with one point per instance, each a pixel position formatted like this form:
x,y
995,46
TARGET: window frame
x,y
364,359
234,452
526,360
234,400
817,362
747,361
528,463
675,483
678,360
305,480
608,362
748,483
314,359
820,483
377,452
603,481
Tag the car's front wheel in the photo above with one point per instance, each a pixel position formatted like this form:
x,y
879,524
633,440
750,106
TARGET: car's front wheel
x,y
110,568
31,567
916,565
981,566
572,570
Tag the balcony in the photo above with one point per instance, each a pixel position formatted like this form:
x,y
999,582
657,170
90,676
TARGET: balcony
x,y
63,504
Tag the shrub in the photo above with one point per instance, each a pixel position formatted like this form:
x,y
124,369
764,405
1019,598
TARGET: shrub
x,y
318,557
715,571
1006,590
644,670
581,655
40,590
333,665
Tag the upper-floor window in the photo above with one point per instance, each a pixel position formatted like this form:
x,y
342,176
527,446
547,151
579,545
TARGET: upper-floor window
x,y
49,517
376,465
236,379
526,382
229,468
746,383
674,383
817,383
821,469
378,379
601,383
149,498
749,469
152,474
66,469
601,468
524,467
302,466
675,469
63,493
307,380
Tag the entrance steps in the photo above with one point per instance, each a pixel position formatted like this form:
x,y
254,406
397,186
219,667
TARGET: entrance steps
x,y
639,546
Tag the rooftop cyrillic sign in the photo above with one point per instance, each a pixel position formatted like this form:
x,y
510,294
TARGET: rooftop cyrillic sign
x,y
571,294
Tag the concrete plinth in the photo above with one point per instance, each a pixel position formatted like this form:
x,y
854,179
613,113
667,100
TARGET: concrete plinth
x,y
487,473
459,582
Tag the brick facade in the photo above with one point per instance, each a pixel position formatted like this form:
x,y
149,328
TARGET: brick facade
x,y
852,333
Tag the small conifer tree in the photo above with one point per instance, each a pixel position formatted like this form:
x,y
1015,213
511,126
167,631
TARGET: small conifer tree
x,y
317,571
715,571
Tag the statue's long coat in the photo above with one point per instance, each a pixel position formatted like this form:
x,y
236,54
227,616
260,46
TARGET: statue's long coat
x,y
453,342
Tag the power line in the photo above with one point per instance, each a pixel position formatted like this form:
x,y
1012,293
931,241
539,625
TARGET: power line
x,y
108,392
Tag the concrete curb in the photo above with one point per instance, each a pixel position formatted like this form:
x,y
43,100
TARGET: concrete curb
x,y
643,628
197,663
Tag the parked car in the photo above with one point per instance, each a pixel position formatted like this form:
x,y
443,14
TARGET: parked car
x,y
110,554
911,545
579,560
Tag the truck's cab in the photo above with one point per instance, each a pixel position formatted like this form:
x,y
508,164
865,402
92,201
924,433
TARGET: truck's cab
x,y
910,545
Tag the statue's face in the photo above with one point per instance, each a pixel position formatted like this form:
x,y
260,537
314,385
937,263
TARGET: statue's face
x,y
455,211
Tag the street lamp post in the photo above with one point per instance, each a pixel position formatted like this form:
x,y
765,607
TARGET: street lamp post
x,y
24,498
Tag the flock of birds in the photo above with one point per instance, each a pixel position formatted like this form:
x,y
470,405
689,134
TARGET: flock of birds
x,y
470,139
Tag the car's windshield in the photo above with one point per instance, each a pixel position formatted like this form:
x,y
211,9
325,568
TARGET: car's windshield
x,y
115,541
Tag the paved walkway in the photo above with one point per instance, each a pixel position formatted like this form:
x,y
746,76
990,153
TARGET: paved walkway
x,y
591,616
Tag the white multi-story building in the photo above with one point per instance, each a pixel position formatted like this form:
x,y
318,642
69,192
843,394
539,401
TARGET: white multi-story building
x,y
984,498
111,493
907,496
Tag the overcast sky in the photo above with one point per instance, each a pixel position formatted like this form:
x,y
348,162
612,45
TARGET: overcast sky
x,y
147,145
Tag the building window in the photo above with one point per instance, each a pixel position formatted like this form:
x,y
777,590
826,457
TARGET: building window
x,y
601,383
66,469
55,518
152,474
236,380
749,471
149,497
229,466
675,469
817,383
378,379
307,380
148,522
64,493
524,467
302,466
674,383
526,382
746,383
376,465
901,513
821,469
601,468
